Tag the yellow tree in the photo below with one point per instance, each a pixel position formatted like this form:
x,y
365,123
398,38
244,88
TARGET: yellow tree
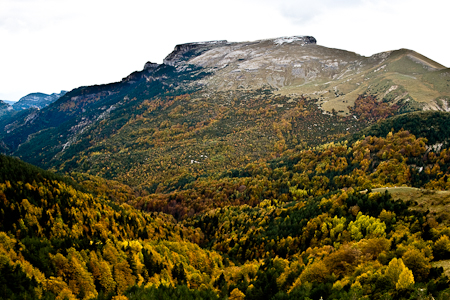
x,y
419,264
441,249
123,276
373,227
405,280
315,271
81,281
236,294
102,273
59,287
400,275
394,269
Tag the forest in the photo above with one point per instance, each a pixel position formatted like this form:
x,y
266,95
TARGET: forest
x,y
319,222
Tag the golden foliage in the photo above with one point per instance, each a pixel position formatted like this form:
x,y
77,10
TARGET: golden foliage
x,y
405,280
236,294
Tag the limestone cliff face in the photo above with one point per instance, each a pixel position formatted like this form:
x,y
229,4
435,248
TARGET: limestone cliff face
x,y
184,52
274,63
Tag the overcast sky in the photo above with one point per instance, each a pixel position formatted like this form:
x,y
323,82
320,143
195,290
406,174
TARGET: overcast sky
x,y
52,45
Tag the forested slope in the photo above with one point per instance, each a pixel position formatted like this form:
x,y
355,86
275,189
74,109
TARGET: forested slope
x,y
59,241
393,160
300,226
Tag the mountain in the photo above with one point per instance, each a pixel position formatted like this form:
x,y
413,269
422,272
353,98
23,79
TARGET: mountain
x,y
21,111
36,100
296,65
215,105
274,169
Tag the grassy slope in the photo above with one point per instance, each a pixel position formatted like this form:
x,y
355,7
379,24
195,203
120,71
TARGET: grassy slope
x,y
419,78
435,203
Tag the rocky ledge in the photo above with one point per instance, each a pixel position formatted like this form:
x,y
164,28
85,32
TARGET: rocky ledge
x,y
183,52
304,40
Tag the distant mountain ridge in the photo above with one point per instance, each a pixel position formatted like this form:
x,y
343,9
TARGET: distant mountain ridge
x,y
9,102
37,100
3,104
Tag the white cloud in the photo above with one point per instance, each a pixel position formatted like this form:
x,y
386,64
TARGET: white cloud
x,y
303,11
377,26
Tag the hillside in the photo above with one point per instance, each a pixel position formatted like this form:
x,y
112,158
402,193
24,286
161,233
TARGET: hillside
x,y
393,160
276,230
58,240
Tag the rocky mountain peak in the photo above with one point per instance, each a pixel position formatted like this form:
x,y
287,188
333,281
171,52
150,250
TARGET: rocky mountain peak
x,y
276,62
183,52
150,66
290,39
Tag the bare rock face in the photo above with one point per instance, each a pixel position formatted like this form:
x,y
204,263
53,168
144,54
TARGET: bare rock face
x,y
269,62
276,63
150,66
134,77
289,39
183,52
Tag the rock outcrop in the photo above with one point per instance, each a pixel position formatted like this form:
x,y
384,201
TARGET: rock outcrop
x,y
151,66
184,52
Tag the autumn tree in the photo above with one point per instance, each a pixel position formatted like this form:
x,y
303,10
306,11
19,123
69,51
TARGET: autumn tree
x,y
416,261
